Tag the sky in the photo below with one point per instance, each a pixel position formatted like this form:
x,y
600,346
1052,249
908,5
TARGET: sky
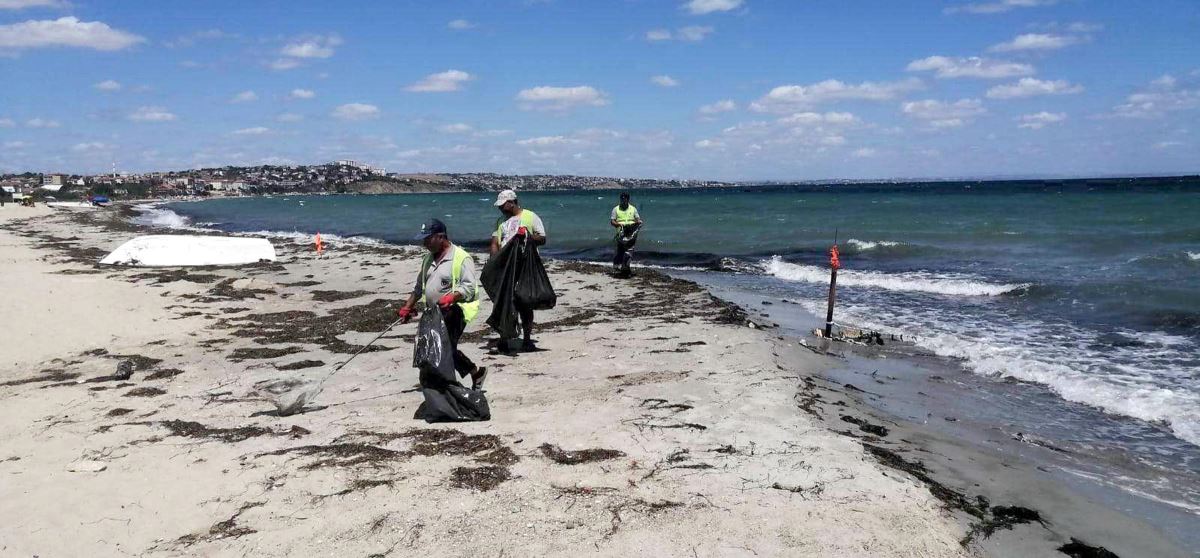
x,y
708,89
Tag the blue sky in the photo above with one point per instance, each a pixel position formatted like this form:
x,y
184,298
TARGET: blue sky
x,y
723,89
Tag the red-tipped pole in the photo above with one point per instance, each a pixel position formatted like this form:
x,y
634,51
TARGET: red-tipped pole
x,y
834,264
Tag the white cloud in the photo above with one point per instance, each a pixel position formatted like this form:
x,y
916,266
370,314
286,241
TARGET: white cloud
x,y
725,105
998,7
1036,41
1030,87
65,32
41,123
151,114
1161,97
193,38
690,34
948,67
315,46
456,128
664,81
693,33
460,25
709,144
550,98
356,111
940,114
108,85
1167,144
789,98
1040,120
701,7
864,152
255,131
7,123
289,117
22,4
449,80
90,146
816,118
15,145
244,97
547,141
1084,27
658,35
284,64
302,94
1167,81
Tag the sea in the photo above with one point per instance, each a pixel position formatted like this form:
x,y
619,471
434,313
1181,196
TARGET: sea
x,y
1072,306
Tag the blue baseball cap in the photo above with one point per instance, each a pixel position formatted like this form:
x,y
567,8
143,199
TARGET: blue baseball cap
x,y
430,228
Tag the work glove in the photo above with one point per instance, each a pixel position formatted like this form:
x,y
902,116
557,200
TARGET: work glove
x,y
406,313
446,300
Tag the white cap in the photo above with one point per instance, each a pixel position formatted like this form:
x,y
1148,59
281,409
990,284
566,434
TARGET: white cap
x,y
505,196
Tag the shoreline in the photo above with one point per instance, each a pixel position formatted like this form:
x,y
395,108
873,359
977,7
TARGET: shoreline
x,y
820,489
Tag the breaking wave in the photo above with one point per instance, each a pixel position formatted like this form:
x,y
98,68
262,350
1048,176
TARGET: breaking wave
x,y
916,281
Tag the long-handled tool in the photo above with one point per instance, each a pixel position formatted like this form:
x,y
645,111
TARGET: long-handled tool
x,y
291,395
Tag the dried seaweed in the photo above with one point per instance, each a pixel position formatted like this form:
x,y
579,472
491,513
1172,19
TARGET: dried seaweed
x,y
563,457
482,479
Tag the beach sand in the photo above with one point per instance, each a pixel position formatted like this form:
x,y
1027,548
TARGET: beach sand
x,y
705,445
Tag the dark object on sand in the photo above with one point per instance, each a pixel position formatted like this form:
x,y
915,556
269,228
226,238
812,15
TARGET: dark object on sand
x,y
533,289
124,372
1079,549
446,400
564,457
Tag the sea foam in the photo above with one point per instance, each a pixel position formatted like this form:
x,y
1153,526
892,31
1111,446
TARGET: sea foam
x,y
908,281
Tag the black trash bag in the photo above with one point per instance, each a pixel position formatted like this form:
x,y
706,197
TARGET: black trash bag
x,y
446,400
431,350
453,403
533,290
628,235
499,278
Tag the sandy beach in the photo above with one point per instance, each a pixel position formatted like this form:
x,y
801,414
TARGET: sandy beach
x,y
657,420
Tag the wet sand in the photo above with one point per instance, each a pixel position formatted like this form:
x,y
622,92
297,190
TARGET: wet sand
x,y
655,421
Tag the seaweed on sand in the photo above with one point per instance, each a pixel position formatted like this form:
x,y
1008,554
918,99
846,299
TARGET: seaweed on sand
x,y
46,376
303,326
343,455
949,497
253,353
563,457
145,392
227,529
482,479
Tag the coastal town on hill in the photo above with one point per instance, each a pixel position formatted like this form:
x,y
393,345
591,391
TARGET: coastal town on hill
x,y
342,177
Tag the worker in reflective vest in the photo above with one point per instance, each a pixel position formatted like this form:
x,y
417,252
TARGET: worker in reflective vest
x,y
447,280
627,221
514,222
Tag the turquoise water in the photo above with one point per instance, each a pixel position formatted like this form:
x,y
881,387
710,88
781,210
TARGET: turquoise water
x,y
1092,290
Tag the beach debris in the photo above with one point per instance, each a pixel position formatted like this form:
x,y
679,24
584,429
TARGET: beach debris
x,y
482,479
865,426
190,250
124,372
1079,549
1002,518
227,529
577,457
145,392
87,466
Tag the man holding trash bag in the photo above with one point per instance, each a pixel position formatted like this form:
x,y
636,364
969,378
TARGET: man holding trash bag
x,y
525,226
625,219
447,279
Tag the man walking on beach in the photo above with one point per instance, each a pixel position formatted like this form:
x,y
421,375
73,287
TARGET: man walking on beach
x,y
626,220
447,279
518,222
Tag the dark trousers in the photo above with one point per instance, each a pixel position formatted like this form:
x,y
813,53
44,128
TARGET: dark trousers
x,y
455,324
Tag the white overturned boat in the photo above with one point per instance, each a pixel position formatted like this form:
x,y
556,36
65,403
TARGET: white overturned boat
x,y
187,250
